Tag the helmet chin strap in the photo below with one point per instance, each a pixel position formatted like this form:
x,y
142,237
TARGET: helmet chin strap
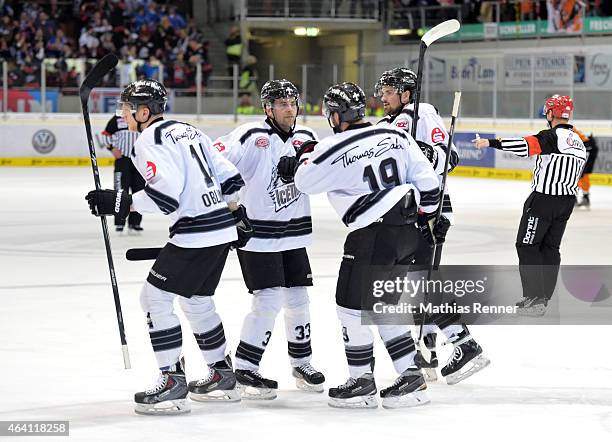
x,y
273,120
140,123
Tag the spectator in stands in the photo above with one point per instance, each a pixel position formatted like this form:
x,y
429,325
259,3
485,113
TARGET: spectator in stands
x,y
233,49
248,77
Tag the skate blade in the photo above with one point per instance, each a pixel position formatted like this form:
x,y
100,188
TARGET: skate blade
x,y
470,368
306,386
414,399
536,311
177,406
254,394
354,403
217,396
430,374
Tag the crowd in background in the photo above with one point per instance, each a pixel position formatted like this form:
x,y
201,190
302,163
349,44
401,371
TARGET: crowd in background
x,y
482,11
148,36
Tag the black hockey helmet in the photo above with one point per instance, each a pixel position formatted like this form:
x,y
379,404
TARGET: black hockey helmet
x,y
402,79
347,99
150,93
275,89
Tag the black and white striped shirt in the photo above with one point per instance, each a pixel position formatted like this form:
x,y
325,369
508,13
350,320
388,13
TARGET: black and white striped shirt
x,y
560,153
116,135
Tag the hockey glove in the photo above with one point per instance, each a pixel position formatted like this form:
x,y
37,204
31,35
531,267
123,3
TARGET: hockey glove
x,y
306,147
286,169
429,152
109,202
434,233
244,227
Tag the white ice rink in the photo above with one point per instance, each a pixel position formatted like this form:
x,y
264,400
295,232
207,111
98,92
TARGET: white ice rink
x,y
61,360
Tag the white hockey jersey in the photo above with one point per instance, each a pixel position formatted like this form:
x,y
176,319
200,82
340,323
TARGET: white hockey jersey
x,y
279,212
366,170
187,180
431,130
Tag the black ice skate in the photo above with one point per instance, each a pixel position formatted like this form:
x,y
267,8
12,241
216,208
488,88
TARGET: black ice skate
x,y
408,390
252,385
307,378
428,366
467,359
218,385
355,393
531,307
584,202
169,396
134,230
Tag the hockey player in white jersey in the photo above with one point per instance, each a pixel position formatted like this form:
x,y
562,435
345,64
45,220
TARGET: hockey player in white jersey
x,y
191,183
274,263
375,178
396,89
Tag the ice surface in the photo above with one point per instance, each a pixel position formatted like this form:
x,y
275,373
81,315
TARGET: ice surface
x,y
61,360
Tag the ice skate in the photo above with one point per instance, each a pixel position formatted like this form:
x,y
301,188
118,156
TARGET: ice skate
x,y
428,366
307,378
134,230
169,396
534,307
467,359
254,386
218,386
408,390
355,393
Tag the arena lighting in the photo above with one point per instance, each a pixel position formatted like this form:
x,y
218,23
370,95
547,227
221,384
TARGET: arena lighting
x,y
394,32
306,32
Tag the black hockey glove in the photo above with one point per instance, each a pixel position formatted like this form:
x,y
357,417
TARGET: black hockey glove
x,y
244,227
429,152
306,147
430,229
286,169
109,202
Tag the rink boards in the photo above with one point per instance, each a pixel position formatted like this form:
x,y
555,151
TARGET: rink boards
x,y
59,140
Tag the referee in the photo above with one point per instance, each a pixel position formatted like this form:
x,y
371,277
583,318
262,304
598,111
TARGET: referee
x,y
560,158
120,141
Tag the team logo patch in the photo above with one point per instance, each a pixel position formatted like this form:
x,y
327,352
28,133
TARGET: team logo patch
x,y
402,123
220,146
437,135
262,142
297,143
151,170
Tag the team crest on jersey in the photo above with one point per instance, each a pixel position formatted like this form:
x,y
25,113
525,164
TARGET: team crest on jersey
x,y
151,171
220,146
262,142
437,135
283,195
402,124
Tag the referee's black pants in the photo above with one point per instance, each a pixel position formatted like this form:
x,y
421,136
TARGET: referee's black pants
x,y
538,241
129,179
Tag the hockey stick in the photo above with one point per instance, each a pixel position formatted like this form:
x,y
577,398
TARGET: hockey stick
x,y
103,67
437,32
451,133
143,254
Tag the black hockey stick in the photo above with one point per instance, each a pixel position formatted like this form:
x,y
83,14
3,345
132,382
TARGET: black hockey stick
x,y
103,67
451,133
143,254
437,32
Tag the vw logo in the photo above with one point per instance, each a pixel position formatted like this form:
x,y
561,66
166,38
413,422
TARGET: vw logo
x,y
43,141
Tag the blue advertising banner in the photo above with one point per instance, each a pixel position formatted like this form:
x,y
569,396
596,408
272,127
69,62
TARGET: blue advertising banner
x,y
469,155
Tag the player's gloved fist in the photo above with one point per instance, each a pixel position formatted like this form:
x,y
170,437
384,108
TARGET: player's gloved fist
x,y
306,147
286,169
244,227
109,202
433,232
429,152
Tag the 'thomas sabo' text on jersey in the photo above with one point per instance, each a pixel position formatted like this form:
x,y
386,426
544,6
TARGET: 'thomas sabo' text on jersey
x,y
280,213
187,180
366,170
